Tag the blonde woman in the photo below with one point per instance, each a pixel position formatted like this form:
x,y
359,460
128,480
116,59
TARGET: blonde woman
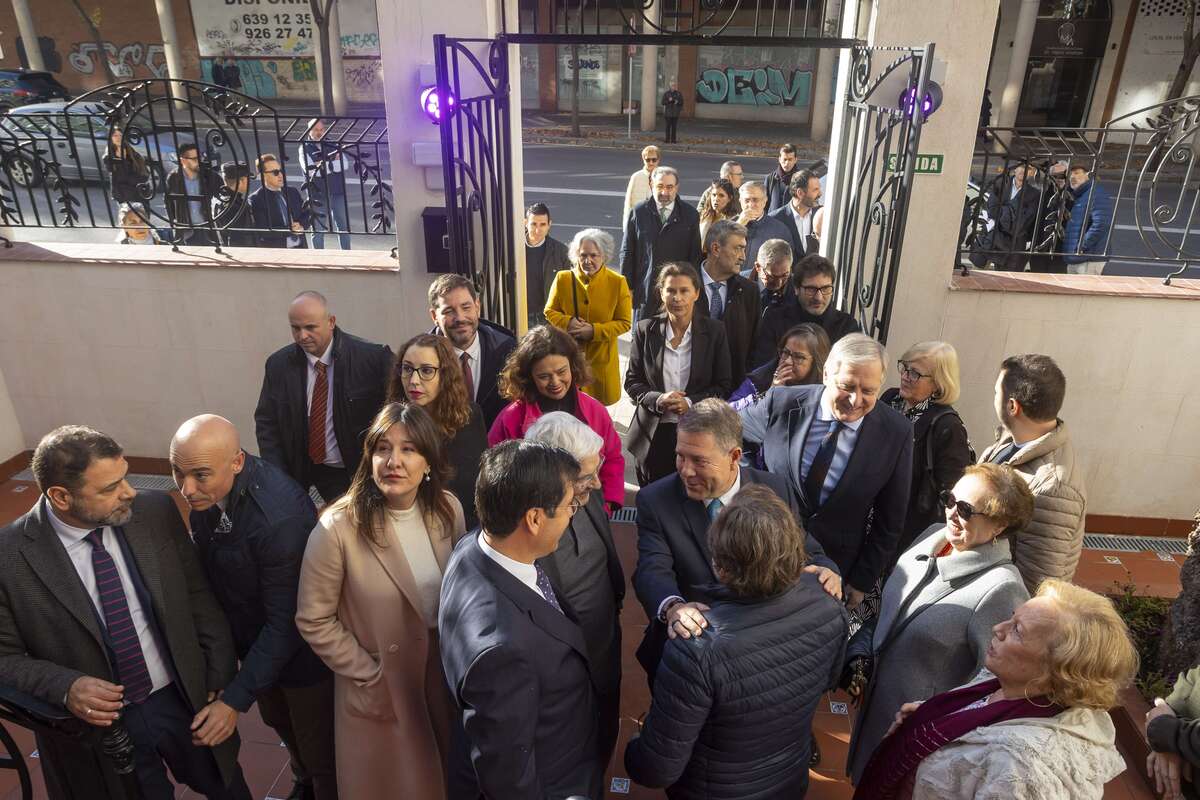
x,y
639,182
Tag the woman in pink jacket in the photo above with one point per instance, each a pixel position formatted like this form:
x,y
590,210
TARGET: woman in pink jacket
x,y
543,374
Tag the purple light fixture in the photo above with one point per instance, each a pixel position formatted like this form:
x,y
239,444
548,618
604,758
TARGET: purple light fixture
x,y
432,105
929,104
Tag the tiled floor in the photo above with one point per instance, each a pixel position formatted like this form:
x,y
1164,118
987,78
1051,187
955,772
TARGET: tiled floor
x,y
265,761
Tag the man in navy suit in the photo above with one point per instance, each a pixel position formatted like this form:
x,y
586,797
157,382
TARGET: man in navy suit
x,y
481,346
659,230
674,578
512,649
800,213
847,458
278,210
761,227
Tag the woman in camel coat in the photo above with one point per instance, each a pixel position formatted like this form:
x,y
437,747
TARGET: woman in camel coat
x,y
368,607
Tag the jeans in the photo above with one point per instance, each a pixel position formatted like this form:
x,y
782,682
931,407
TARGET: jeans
x,y
333,205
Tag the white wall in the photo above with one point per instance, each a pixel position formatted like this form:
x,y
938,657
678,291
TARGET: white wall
x,y
1151,62
12,440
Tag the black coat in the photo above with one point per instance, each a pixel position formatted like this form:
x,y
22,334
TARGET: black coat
x,y
672,102
495,343
732,710
951,455
463,451
789,313
269,220
519,673
740,320
873,488
778,188
648,244
362,370
710,376
254,570
762,229
124,175
801,245
235,222
176,199
673,554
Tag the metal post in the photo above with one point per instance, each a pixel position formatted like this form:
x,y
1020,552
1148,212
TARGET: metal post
x,y
33,51
335,61
629,104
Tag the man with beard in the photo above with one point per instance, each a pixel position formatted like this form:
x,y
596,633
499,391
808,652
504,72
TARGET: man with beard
x,y
814,278
231,210
801,213
104,609
318,398
481,346
780,180
658,231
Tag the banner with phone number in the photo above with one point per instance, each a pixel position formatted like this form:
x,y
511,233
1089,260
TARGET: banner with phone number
x,y
279,28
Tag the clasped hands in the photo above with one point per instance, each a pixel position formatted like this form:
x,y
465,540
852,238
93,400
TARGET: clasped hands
x,y
580,329
673,402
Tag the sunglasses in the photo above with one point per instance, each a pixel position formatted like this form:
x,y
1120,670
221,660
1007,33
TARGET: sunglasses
x,y
964,509
275,172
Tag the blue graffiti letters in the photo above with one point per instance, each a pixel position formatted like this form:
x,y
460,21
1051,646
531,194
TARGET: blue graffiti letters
x,y
754,86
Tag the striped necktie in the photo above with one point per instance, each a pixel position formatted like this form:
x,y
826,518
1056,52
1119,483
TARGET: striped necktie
x,y
132,672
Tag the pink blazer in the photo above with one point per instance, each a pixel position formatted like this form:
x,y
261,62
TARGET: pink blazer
x,y
516,418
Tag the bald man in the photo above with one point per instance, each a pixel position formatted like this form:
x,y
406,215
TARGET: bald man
x,y
250,523
318,398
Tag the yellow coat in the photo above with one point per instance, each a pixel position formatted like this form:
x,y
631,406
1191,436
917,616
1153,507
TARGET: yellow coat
x,y
606,303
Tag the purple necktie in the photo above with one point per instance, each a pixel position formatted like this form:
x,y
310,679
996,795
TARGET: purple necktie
x,y
132,672
543,583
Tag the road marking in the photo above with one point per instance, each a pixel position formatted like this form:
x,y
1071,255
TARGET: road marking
x,y
594,193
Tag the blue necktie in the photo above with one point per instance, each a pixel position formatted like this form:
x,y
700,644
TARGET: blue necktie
x,y
543,584
715,306
714,508
814,482
132,672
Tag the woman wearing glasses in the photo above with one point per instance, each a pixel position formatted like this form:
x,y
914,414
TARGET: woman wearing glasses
x,y
543,374
939,606
926,395
802,353
593,305
639,182
427,374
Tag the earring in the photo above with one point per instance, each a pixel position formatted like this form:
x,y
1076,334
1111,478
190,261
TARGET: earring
x,y
427,475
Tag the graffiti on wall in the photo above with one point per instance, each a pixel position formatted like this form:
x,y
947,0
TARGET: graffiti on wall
x,y
364,78
754,86
85,58
258,77
304,69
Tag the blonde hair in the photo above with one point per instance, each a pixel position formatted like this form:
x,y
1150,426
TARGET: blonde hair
x,y
648,149
1090,656
945,368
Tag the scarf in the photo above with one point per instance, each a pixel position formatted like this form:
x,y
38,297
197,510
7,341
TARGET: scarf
x,y
939,720
913,413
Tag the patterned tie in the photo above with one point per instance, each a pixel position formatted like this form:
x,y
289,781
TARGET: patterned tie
x,y
716,307
543,584
714,508
819,470
316,415
465,360
132,672
663,214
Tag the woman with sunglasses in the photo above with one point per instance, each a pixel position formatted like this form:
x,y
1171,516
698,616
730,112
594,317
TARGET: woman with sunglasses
x,y
427,374
639,182
939,606
926,395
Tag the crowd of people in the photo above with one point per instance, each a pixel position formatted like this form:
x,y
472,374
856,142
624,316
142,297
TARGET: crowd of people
x,y
446,625
204,206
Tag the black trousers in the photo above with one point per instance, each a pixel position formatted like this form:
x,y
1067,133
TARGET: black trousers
x,y
672,129
303,718
331,482
660,458
160,727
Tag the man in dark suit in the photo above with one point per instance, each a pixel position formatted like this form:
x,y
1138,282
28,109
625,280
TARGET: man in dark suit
x,y
512,649
760,226
799,214
318,398
250,523
104,609
231,210
190,188
772,274
545,256
658,231
728,297
481,346
847,458
813,281
778,180
280,213
674,575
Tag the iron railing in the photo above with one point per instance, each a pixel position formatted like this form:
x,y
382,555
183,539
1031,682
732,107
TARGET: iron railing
x,y
1135,211
54,174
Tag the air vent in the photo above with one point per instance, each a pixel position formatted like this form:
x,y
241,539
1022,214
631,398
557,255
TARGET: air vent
x,y
1135,544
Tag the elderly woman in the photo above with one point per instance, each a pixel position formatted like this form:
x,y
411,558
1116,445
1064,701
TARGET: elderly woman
x,y
368,606
720,201
732,708
135,228
927,393
1034,725
939,605
677,359
586,565
427,374
639,182
592,303
543,374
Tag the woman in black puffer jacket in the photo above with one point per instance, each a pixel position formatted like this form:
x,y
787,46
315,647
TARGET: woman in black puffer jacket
x,y
733,708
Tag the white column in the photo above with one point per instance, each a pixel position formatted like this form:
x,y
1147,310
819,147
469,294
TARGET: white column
x,y
166,24
1010,101
822,96
838,142
650,71
335,61
33,52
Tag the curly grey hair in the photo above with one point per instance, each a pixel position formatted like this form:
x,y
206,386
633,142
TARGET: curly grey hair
x,y
597,237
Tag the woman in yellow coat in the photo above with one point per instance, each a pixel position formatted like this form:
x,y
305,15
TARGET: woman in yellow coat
x,y
593,304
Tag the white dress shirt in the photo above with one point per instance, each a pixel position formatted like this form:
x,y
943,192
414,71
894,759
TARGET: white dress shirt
x,y
677,366
475,352
525,573
804,222
80,552
333,456
725,499
664,212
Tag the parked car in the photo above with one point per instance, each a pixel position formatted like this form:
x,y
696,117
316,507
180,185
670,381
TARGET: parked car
x,y
20,87
75,137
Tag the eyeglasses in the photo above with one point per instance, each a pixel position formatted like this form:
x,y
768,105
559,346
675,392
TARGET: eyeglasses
x,y
788,355
907,371
584,482
964,509
650,160
813,291
275,172
426,371
590,256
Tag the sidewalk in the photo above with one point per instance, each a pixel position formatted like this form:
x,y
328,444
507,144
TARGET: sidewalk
x,y
695,135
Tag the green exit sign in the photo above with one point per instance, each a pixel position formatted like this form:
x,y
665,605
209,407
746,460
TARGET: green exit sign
x,y
927,163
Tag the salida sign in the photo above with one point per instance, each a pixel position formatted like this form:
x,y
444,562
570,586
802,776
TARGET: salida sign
x,y
754,86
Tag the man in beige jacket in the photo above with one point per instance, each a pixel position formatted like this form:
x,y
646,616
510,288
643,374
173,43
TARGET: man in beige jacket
x,y
1034,442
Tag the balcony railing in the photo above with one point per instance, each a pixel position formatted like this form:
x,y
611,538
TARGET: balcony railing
x,y
56,169
1133,208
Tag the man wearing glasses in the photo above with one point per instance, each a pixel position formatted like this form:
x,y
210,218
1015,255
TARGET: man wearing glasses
x,y
814,278
278,210
190,188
